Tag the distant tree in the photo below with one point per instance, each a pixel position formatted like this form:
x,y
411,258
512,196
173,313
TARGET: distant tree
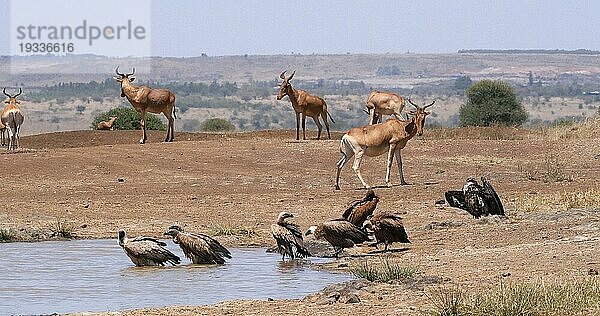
x,y
492,102
217,125
129,119
462,83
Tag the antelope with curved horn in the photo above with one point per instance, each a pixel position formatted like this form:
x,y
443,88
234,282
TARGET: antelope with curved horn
x,y
374,140
12,118
384,103
304,104
144,99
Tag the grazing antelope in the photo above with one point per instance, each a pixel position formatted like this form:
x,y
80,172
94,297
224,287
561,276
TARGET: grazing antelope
x,y
12,118
374,140
144,99
384,103
107,125
304,104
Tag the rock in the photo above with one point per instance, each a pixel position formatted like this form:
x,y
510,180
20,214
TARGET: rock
x,y
592,271
351,298
506,274
121,179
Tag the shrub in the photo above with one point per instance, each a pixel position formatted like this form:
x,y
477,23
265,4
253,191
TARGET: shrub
x,y
129,119
384,271
217,125
492,102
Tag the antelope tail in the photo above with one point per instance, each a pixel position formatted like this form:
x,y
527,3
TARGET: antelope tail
x,y
331,118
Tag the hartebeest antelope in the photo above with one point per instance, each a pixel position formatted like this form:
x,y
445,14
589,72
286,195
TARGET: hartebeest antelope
x,y
12,118
304,104
107,125
384,103
145,99
374,140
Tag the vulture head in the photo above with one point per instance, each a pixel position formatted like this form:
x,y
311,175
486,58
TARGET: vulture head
x,y
283,215
173,230
315,231
122,236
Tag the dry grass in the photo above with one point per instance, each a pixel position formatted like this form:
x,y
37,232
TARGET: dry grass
x,y
578,297
382,270
585,130
559,201
228,230
486,133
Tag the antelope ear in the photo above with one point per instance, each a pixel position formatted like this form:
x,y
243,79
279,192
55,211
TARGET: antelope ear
x,y
427,112
131,79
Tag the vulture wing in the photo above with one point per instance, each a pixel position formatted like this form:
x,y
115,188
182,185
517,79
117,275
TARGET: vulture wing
x,y
147,251
492,200
456,199
202,248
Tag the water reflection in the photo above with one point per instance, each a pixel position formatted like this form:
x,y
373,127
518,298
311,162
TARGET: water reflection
x,y
95,275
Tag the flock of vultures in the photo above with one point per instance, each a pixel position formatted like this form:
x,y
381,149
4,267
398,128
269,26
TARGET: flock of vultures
x,y
358,224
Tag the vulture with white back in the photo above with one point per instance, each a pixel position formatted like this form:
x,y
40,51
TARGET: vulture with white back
x,y
199,248
288,237
340,233
146,251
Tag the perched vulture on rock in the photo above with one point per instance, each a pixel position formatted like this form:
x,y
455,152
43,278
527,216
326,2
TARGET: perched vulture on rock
x,y
340,233
200,248
387,228
146,251
476,199
360,210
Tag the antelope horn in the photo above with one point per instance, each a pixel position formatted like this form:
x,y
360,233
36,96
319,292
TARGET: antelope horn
x,y
131,74
292,76
429,105
6,94
282,76
118,73
18,94
411,102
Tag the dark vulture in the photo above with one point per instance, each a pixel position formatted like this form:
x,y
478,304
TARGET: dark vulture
x,y
360,210
200,248
476,199
340,233
146,251
288,237
387,228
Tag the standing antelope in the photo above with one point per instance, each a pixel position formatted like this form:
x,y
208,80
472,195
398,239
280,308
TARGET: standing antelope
x,y
12,118
384,103
304,104
374,140
145,99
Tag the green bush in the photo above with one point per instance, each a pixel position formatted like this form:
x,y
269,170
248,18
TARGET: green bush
x,y
217,125
492,102
129,119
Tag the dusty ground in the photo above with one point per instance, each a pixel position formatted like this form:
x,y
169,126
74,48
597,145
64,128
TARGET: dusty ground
x,y
98,182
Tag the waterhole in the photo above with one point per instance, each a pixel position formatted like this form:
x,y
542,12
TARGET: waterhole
x,y
96,275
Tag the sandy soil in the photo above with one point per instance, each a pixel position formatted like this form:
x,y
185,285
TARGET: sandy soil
x,y
98,182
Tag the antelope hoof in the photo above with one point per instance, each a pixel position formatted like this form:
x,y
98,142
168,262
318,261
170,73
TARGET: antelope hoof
x,y
337,187
142,141
403,182
388,184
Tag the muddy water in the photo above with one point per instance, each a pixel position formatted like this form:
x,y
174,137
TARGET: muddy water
x,y
96,275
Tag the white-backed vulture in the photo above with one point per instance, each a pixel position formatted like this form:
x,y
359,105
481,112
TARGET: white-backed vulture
x,y
387,228
199,248
288,237
146,251
358,212
340,233
476,199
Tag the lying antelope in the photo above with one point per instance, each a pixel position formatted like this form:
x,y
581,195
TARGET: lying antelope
x,y
384,103
144,99
107,125
374,140
12,118
304,104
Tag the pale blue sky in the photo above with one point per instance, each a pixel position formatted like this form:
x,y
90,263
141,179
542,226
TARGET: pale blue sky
x,y
190,28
